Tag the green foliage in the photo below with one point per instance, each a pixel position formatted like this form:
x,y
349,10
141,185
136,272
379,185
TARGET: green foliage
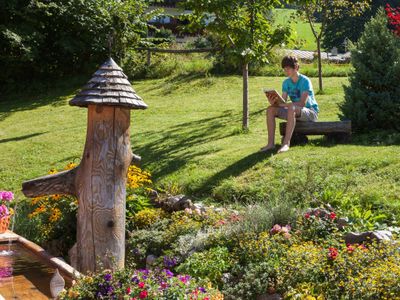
x,y
209,264
255,279
372,100
244,31
54,38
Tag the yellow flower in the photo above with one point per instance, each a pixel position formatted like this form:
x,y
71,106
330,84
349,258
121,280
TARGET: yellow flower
x,y
53,171
73,294
56,197
55,215
35,200
70,166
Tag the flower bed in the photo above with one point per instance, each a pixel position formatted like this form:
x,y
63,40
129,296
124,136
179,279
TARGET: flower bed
x,y
141,284
243,252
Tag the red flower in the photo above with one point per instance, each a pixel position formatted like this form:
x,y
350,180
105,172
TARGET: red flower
x,y
307,215
128,290
332,215
143,294
333,253
394,18
141,284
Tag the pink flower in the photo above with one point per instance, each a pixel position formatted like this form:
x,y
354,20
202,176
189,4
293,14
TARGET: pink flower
x,y
276,229
141,284
286,229
128,290
4,211
7,196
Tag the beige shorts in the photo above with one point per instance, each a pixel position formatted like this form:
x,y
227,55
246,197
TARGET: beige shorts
x,y
306,115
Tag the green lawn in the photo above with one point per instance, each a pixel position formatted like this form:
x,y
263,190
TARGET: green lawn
x,y
190,138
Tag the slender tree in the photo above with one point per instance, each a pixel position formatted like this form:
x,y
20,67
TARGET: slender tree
x,y
245,31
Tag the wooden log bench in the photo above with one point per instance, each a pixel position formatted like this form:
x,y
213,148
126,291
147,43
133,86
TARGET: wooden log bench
x,y
339,132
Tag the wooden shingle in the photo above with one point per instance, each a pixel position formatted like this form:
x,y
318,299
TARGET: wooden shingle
x,y
109,86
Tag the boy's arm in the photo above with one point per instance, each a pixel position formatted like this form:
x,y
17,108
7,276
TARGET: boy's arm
x,y
303,99
300,103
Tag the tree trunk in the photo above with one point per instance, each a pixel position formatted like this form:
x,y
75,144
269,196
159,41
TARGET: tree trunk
x,y
99,183
319,63
101,191
245,124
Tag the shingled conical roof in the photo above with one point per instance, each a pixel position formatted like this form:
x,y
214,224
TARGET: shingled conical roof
x,y
109,86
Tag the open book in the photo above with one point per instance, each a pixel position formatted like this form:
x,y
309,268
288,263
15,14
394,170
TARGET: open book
x,y
279,98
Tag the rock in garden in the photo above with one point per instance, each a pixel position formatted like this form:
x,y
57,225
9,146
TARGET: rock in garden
x,y
341,223
150,260
269,297
176,203
153,194
361,237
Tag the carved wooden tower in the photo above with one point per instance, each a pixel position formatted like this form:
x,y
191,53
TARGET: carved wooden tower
x,y
99,182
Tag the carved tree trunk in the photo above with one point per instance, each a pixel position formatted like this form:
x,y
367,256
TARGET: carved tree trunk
x,y
99,183
100,187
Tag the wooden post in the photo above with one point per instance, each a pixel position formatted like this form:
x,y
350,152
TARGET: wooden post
x,y
99,182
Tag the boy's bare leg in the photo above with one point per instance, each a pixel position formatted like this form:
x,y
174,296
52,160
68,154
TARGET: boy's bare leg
x,y
291,123
271,124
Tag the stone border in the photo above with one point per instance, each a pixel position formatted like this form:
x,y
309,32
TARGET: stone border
x,y
65,269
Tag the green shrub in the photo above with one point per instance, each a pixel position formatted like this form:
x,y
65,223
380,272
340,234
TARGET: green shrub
x,y
372,100
209,264
50,39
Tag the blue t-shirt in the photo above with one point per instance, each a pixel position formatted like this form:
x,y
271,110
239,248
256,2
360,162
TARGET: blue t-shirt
x,y
294,91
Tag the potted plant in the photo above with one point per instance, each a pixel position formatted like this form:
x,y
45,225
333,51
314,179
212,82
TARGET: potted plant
x,y
5,212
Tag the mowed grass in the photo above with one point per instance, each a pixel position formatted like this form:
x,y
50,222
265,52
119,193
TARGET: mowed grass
x,y
190,138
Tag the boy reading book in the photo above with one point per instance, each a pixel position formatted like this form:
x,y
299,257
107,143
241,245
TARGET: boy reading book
x,y
303,106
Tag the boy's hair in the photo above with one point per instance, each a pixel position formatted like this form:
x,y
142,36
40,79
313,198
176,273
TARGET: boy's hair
x,y
290,61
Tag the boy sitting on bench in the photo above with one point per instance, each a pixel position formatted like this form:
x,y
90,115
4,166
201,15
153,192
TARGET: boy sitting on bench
x,y
303,106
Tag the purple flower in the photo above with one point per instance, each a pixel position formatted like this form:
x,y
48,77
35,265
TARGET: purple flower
x,y
184,278
135,279
169,262
203,290
168,273
107,277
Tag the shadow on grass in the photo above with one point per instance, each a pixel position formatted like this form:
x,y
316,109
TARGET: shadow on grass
x,y
233,170
22,137
170,149
376,139
51,93
174,82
